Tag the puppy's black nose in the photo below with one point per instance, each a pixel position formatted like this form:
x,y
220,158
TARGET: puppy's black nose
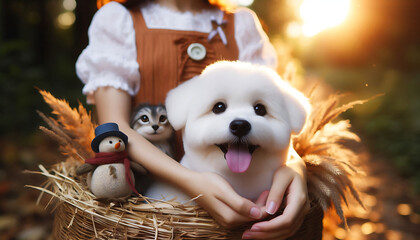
x,y
240,128
155,127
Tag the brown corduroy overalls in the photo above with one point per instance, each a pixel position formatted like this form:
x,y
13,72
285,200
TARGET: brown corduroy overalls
x,y
164,62
163,59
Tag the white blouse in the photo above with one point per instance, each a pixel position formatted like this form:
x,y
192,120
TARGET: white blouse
x,y
110,59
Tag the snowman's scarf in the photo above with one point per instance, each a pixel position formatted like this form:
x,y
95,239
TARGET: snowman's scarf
x,y
102,158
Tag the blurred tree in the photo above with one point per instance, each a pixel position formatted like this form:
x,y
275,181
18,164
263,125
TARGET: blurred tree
x,y
35,51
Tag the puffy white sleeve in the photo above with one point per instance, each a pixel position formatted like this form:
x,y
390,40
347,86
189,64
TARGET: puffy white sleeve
x,y
110,57
253,44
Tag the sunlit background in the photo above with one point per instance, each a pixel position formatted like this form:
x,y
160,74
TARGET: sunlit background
x,y
314,15
318,15
66,19
359,47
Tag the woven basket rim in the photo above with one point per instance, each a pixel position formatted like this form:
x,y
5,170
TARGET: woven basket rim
x,y
79,215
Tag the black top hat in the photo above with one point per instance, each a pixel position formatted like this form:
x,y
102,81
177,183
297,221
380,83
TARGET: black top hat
x,y
106,130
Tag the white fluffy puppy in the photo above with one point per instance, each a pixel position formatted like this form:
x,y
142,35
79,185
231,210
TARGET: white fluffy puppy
x,y
237,120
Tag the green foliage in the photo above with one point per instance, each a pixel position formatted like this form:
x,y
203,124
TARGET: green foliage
x,y
390,124
18,75
34,53
21,73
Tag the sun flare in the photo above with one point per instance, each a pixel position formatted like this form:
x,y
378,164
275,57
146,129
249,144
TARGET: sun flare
x,y
318,15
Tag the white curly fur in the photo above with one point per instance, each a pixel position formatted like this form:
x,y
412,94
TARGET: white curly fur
x,y
240,86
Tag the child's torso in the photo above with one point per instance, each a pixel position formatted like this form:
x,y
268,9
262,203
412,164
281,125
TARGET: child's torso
x,y
167,57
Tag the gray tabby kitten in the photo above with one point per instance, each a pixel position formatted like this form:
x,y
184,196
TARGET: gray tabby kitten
x,y
151,122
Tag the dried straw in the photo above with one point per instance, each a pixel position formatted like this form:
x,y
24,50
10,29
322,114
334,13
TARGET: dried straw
x,y
79,216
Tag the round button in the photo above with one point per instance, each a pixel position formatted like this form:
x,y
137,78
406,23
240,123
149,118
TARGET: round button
x,y
196,51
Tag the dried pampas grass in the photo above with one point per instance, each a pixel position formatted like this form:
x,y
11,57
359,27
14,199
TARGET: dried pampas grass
x,y
73,128
79,216
330,163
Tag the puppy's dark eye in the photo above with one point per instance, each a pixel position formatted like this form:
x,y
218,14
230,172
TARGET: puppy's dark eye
x,y
144,118
163,119
219,108
260,109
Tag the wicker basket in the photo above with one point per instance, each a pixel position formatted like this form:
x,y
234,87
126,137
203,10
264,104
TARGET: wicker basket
x,y
84,225
77,215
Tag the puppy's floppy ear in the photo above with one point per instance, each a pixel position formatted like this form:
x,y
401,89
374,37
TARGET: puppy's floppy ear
x,y
178,101
298,108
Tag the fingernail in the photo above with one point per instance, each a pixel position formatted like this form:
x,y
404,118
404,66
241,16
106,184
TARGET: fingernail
x,y
271,208
246,235
255,228
255,212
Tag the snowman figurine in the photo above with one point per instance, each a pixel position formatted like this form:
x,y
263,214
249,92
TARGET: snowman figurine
x,y
110,176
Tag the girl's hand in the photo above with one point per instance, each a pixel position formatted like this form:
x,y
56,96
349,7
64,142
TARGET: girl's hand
x,y
219,199
289,181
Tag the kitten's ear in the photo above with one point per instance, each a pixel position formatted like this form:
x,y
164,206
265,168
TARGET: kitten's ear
x,y
135,114
178,103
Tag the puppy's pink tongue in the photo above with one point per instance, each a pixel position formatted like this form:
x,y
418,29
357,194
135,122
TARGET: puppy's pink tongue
x,y
238,158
